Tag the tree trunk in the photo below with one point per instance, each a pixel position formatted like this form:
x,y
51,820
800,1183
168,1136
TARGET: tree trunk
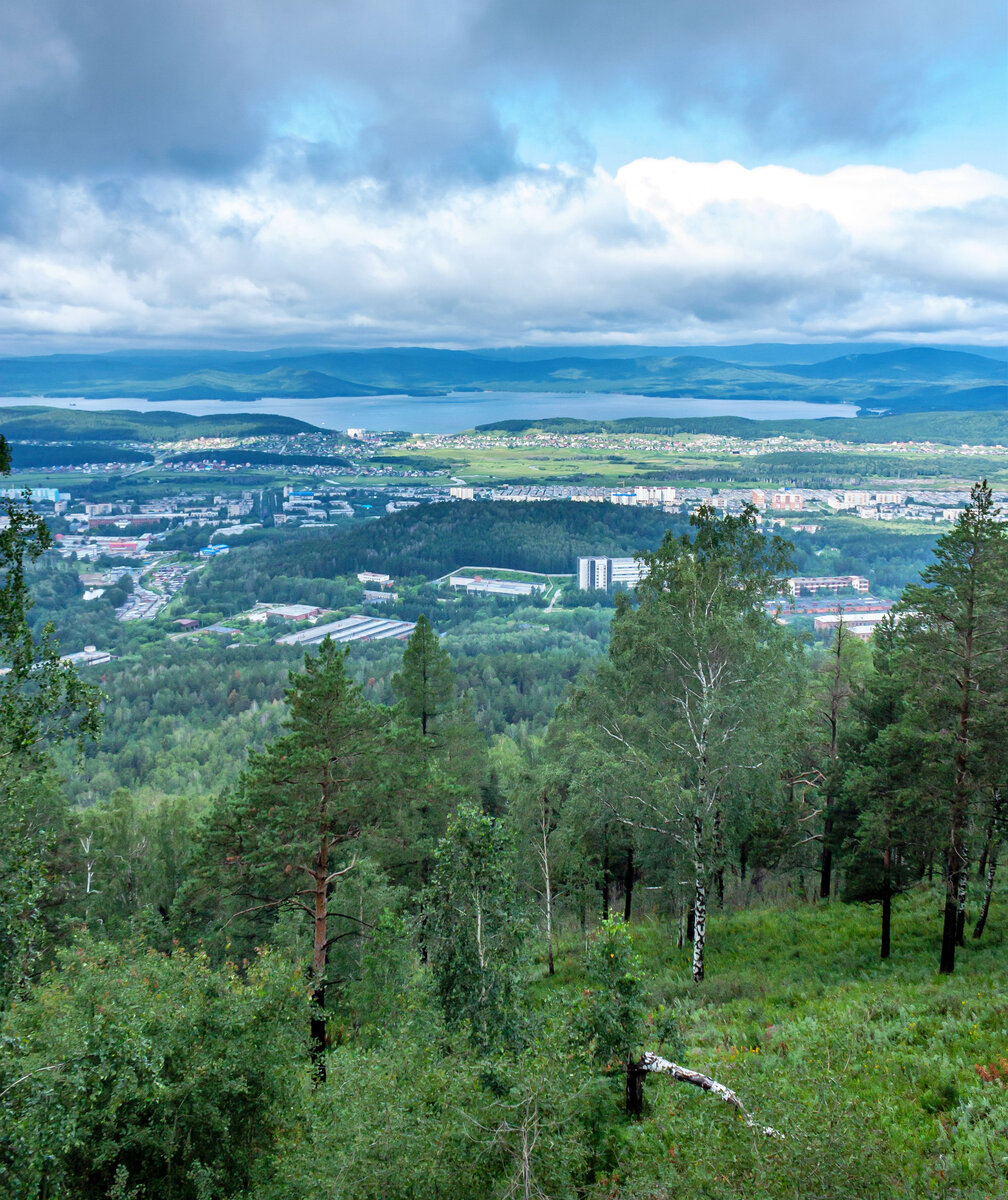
x,y
988,888
886,902
549,926
955,865
961,907
544,859
699,929
654,1062
605,881
628,880
320,954
635,1073
826,861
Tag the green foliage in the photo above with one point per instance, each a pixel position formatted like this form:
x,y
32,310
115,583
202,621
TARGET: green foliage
x,y
477,926
613,1003
43,702
426,682
302,803
151,1074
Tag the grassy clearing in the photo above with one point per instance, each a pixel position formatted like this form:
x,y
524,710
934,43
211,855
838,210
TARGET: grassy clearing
x,y
869,1067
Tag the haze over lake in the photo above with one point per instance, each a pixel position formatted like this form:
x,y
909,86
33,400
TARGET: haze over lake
x,y
461,410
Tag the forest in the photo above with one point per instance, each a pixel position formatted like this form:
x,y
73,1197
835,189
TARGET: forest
x,y
717,913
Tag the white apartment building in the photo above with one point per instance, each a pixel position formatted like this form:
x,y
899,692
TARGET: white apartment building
x,y
600,573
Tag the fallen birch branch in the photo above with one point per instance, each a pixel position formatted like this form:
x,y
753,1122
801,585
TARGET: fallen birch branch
x,y
655,1064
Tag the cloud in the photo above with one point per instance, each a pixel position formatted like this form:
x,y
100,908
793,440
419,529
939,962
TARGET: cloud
x,y
662,251
403,89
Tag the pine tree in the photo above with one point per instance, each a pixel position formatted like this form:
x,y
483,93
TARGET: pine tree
x,y
283,841
885,816
955,637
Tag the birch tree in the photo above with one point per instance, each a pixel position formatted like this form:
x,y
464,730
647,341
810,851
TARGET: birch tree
x,y
477,924
690,698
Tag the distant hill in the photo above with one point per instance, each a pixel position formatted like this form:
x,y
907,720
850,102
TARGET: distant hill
x,y
950,428
31,422
905,379
921,363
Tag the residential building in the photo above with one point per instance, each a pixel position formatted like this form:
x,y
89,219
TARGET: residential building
x,y
787,501
811,585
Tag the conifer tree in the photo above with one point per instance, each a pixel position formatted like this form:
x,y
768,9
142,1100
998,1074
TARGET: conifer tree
x,y
43,701
955,637
426,681
886,816
283,840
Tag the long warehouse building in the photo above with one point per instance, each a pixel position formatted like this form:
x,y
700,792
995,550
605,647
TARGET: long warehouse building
x,y
350,629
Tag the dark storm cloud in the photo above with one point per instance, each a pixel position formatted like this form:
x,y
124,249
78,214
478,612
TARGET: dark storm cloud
x,y
197,86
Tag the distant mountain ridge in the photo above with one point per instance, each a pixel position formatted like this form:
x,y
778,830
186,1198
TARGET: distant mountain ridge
x,y
904,379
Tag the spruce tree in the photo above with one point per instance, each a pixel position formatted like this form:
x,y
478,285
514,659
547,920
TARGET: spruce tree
x,y
426,682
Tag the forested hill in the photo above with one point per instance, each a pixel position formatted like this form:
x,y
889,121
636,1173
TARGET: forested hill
x,y
437,538
950,428
44,423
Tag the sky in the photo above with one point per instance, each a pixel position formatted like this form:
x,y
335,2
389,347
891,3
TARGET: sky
x,y
468,173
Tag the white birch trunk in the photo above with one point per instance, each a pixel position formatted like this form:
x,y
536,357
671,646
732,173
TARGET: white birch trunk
x,y
662,1066
699,902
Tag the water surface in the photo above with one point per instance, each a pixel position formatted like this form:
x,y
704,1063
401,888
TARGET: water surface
x,y
462,410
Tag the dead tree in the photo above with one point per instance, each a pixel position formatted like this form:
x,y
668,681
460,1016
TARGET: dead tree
x,y
655,1064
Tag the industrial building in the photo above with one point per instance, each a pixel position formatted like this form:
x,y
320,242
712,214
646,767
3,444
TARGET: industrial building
x,y
287,612
495,587
350,629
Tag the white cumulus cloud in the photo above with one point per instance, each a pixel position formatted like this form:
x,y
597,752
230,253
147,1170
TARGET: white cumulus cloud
x,y
664,251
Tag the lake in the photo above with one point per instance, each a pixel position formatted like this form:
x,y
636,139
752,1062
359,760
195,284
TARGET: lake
x,y
463,410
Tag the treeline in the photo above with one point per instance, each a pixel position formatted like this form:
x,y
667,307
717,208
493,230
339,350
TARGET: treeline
x,y
26,456
984,428
433,539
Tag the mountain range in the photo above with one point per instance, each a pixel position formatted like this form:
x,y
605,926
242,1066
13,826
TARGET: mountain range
x,y
904,379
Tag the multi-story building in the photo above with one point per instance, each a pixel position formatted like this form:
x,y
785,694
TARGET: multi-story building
x,y
599,573
593,574
787,501
811,585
